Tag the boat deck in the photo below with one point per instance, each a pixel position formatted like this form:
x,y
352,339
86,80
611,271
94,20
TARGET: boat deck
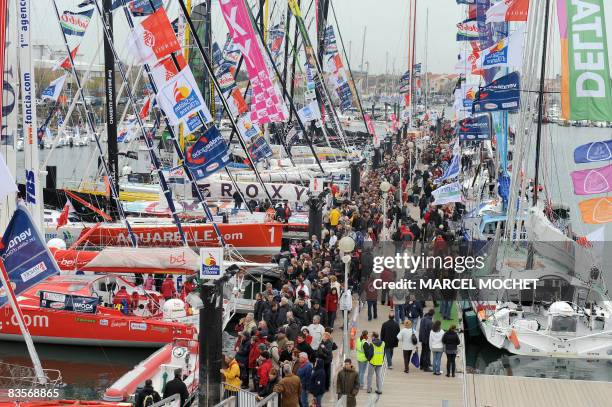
x,y
513,391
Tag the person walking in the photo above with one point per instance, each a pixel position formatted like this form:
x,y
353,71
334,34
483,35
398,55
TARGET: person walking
x,y
362,360
409,343
436,346
348,383
414,311
371,297
388,334
317,381
376,362
331,305
451,341
146,396
176,386
304,372
289,388
424,330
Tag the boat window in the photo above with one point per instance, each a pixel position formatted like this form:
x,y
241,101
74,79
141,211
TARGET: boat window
x,y
564,324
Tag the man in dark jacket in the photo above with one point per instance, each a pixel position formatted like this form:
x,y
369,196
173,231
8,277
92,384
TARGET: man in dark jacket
x,y
318,310
177,386
388,334
146,396
424,330
242,357
347,383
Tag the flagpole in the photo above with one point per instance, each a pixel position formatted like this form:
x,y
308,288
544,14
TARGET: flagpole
x,y
12,300
113,189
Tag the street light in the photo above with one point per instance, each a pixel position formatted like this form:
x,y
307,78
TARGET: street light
x,y
346,245
400,161
384,187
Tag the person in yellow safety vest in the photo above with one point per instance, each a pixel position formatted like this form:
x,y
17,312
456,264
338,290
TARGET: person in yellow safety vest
x,y
376,362
362,360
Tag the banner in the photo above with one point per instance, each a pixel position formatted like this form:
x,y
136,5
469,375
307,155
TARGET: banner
x,y
257,146
508,10
592,181
309,113
501,94
25,255
140,8
153,39
54,89
207,155
596,211
267,104
253,190
276,36
68,302
585,66
593,152
181,101
477,128
464,98
468,30
447,194
508,52
7,182
452,171
371,130
75,23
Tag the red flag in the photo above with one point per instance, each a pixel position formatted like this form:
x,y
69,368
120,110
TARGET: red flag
x,y
65,64
63,218
144,112
154,38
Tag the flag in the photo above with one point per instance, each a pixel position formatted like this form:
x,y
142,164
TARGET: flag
x,y
25,255
467,30
257,146
592,152
54,89
65,63
586,89
182,102
140,8
75,23
207,155
7,182
144,111
508,10
66,211
596,211
447,194
452,171
592,181
166,69
475,128
501,94
154,39
508,52
86,3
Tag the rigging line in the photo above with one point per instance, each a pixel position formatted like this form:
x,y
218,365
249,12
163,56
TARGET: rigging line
x,y
149,143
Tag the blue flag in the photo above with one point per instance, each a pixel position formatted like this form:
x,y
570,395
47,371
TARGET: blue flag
x,y
593,152
476,128
452,171
207,155
25,255
501,94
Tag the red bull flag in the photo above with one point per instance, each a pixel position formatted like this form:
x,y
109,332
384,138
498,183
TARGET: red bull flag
x,y
586,92
508,10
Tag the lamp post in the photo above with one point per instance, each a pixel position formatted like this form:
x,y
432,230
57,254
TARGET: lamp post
x,y
346,245
384,187
400,162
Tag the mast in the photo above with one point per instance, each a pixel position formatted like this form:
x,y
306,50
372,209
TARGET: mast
x,y
536,178
412,55
363,51
111,115
426,58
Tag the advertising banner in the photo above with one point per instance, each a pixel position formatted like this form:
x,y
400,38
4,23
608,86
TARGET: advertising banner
x,y
596,211
586,91
501,94
593,181
447,194
211,263
593,152
207,155
25,255
477,128
257,146
75,23
67,302
467,30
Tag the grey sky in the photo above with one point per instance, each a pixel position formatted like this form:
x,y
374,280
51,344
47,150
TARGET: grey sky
x,y
386,21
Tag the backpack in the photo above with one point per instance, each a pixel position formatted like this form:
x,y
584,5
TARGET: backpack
x,y
368,351
148,400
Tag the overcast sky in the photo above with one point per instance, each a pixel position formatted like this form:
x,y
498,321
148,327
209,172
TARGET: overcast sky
x,y
386,22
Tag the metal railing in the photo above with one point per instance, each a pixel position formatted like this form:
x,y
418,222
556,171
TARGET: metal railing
x,y
172,401
230,402
245,398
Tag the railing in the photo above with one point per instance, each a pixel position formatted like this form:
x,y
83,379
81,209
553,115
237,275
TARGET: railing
x,y
24,377
172,401
245,398
230,402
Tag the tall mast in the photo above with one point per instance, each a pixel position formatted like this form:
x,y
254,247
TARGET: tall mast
x,y
111,115
412,81
426,80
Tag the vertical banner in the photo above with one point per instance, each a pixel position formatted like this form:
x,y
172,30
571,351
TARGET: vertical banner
x,y
33,186
590,92
562,16
8,134
267,104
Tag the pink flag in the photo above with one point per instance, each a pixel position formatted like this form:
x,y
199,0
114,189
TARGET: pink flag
x,y
266,103
593,181
371,130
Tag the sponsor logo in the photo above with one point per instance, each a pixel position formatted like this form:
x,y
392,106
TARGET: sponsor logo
x,y
57,305
162,329
83,307
104,322
85,320
54,296
34,271
138,326
489,106
118,324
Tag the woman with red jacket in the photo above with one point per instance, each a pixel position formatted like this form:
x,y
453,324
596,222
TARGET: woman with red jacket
x,y
331,305
263,370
